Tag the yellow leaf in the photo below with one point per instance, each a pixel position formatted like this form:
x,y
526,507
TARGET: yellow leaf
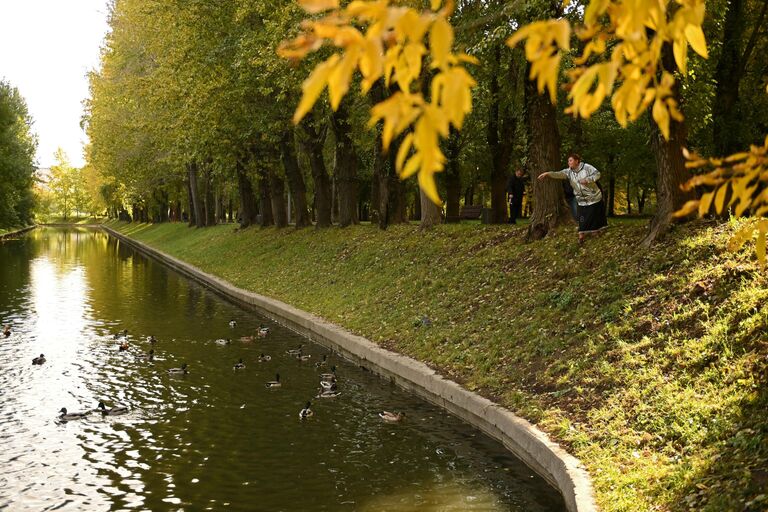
x,y
738,240
315,6
402,152
435,4
688,208
428,186
680,50
339,78
705,203
760,248
440,41
412,26
661,116
411,167
720,198
695,37
313,86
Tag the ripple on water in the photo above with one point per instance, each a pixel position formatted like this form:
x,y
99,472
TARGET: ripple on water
x,y
213,437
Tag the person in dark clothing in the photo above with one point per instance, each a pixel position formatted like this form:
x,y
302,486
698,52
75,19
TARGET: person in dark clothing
x,y
570,198
515,192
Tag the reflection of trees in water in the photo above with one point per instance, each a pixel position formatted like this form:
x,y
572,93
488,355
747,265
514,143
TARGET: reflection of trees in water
x,y
15,258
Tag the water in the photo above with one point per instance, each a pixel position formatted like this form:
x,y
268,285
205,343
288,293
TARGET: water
x,y
216,438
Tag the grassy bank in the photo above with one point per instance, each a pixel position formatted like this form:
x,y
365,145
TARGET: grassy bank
x,y
650,366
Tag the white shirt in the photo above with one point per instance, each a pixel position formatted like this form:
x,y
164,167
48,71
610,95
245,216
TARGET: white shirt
x,y
586,194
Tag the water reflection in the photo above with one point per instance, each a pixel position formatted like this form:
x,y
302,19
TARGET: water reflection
x,y
215,438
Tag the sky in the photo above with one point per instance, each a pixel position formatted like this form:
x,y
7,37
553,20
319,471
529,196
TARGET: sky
x,y
46,49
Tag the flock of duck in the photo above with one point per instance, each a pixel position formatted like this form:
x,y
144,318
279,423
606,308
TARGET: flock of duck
x,y
328,382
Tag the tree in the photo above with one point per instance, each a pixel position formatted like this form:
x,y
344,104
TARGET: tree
x,y
63,184
17,153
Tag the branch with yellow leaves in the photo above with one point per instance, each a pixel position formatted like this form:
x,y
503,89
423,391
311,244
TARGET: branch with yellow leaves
x,y
738,182
631,74
391,48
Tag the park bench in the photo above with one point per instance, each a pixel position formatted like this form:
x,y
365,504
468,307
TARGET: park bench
x,y
471,211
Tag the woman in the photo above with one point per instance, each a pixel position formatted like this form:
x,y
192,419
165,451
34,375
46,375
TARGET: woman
x,y
583,179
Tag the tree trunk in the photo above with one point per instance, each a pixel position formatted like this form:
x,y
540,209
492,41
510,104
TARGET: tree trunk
x,y
196,210
210,201
670,166
431,214
295,179
314,149
277,198
265,201
629,199
499,136
549,207
612,196
453,178
345,167
247,197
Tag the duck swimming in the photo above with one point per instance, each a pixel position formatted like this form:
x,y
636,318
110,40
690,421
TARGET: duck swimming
x,y
114,411
232,324
328,385
274,383
222,341
391,416
322,363
239,365
6,330
123,346
263,331
179,371
306,412
328,394
294,351
329,376
152,339
39,360
303,357
149,356
264,358
65,416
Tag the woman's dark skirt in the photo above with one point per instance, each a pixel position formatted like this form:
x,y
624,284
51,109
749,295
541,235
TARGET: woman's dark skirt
x,y
592,217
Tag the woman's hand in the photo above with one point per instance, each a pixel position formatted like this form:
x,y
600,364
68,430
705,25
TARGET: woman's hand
x,y
543,175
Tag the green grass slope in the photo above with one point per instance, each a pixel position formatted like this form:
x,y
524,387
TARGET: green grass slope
x,y
651,366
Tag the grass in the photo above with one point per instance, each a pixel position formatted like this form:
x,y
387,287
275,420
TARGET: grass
x,y
651,366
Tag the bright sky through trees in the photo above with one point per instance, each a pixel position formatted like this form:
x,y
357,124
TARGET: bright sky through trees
x,y
48,47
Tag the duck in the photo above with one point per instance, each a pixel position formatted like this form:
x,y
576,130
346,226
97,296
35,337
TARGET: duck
x,y
303,357
239,365
114,411
6,330
222,341
275,383
329,376
294,351
321,364
306,412
328,385
149,356
123,346
263,331
264,358
179,371
39,360
392,416
232,324
152,339
246,339
326,393
65,416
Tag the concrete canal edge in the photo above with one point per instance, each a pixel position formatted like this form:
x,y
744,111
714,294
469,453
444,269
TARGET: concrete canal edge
x,y
16,233
525,441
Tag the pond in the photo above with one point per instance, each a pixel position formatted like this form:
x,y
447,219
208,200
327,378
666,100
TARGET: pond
x,y
215,438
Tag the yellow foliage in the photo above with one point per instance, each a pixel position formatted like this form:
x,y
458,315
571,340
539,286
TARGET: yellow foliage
x,y
734,183
639,29
386,42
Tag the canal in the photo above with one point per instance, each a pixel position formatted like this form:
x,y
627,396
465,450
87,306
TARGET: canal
x,y
216,438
